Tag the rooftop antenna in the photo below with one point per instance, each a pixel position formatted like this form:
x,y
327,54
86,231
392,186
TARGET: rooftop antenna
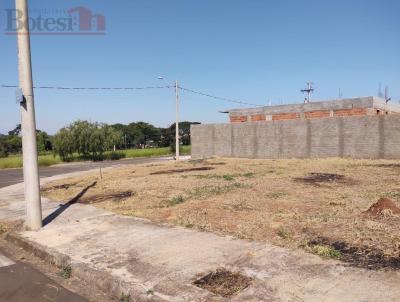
x,y
309,90
387,98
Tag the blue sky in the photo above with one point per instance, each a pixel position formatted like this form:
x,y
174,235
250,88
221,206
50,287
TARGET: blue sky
x,y
246,50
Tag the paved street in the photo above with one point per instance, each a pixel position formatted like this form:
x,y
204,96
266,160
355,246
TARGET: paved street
x,y
9,177
21,283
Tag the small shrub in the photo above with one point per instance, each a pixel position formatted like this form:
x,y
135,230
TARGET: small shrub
x,y
115,155
283,233
326,251
66,272
177,200
228,177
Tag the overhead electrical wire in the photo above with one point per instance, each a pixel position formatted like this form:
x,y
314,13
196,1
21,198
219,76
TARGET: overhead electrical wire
x,y
140,88
90,88
218,98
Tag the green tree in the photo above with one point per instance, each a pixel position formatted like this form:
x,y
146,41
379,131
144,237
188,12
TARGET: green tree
x,y
122,129
64,144
16,131
81,132
113,137
184,133
166,138
3,146
44,141
13,144
88,140
150,133
134,135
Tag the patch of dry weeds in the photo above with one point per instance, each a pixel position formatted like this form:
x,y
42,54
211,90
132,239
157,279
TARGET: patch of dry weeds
x,y
224,283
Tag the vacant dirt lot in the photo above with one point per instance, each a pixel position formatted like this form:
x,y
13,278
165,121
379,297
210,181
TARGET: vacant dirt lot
x,y
319,205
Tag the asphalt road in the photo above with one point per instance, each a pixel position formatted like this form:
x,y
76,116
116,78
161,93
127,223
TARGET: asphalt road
x,y
20,282
9,177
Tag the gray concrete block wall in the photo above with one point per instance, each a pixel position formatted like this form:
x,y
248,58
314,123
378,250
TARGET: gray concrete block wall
x,y
325,137
243,140
390,136
293,139
350,136
222,140
268,146
361,138
202,140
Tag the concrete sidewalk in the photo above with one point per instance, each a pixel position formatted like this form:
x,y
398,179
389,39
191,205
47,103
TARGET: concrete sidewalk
x,y
125,255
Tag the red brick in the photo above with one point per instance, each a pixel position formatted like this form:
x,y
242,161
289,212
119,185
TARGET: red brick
x,y
285,116
349,112
317,114
258,117
238,119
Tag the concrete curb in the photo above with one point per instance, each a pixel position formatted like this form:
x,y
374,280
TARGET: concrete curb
x,y
113,287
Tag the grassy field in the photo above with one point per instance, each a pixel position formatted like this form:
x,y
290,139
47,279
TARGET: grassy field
x,y
317,205
15,161
152,152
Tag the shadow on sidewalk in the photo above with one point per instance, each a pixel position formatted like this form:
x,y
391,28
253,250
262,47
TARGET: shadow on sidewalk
x,y
63,207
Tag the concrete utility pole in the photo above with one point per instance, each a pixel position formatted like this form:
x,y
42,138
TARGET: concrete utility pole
x,y
28,123
177,121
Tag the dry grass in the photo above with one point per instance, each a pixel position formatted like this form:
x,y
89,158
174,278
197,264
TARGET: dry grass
x,y
223,282
284,202
3,229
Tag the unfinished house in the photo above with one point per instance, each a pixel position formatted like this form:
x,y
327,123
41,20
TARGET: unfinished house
x,y
344,107
366,127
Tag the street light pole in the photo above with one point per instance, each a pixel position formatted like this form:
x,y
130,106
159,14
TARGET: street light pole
x,y
177,121
28,123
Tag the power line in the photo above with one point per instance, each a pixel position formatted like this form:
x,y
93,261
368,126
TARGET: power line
x,y
91,88
138,88
218,98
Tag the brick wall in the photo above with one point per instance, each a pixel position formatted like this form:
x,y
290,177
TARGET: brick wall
x,y
258,118
297,115
238,119
285,116
317,114
350,112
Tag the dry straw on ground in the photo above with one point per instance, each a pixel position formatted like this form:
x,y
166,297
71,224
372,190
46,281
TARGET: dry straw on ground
x,y
284,202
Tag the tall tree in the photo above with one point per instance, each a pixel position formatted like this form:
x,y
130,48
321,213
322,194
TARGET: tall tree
x,y
89,140
184,132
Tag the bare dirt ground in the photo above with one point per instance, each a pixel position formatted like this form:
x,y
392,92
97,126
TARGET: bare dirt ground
x,y
320,205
